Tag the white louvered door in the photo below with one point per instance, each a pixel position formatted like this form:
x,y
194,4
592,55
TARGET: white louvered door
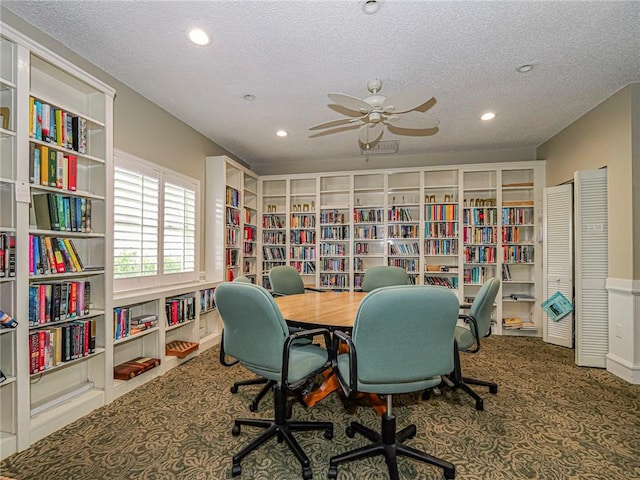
x,y
558,259
591,238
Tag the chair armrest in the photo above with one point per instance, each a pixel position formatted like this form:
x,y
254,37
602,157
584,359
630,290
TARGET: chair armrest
x,y
473,326
287,349
317,290
341,337
223,355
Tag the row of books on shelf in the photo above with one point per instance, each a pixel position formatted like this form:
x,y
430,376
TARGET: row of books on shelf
x,y
58,301
372,232
304,267
403,231
399,214
333,249
476,275
363,215
479,234
273,221
7,255
232,217
332,216
231,256
449,282
50,255
249,216
334,280
249,234
404,248
53,168
58,344
303,221
274,253
441,212
249,248
408,264
62,213
302,236
335,233
126,325
516,323
48,123
207,301
232,197
180,309
517,216
277,238
302,253
232,237
441,247
479,254
480,216
517,253
334,265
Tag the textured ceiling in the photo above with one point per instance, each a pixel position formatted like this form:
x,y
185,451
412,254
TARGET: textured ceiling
x,y
290,54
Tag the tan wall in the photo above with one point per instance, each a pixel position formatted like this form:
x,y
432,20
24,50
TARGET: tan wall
x,y
603,137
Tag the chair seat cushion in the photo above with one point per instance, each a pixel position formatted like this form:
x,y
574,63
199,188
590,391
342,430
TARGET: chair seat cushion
x,y
464,338
303,360
386,388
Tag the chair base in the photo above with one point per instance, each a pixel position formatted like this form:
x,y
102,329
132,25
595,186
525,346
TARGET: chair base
x,y
464,383
390,445
268,385
282,429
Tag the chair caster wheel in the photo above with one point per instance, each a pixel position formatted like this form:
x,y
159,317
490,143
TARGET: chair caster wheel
x,y
493,389
333,472
350,431
235,431
307,474
253,407
449,473
328,434
426,395
236,470
234,389
479,405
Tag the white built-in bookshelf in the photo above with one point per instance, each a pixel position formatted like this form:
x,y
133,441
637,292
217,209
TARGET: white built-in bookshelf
x,y
447,226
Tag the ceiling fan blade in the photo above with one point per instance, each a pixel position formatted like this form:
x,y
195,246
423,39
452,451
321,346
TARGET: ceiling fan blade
x,y
352,103
407,100
370,133
412,120
335,123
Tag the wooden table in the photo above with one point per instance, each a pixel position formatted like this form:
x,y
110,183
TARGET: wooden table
x,y
331,310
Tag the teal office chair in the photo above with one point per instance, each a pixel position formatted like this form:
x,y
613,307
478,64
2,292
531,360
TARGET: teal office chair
x,y
406,355
285,280
257,335
268,384
477,325
384,276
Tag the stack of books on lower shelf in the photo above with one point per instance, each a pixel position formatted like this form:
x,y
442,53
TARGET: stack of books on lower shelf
x,y
512,323
135,367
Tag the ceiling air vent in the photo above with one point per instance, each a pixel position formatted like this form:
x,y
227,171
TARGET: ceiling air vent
x,y
381,148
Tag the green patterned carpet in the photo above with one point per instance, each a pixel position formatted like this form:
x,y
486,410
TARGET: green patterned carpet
x,y
550,420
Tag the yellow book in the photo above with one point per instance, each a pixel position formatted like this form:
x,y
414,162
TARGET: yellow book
x,y
72,254
44,165
32,126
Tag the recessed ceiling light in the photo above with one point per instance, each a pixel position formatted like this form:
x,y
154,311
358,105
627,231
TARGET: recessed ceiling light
x,y
488,116
525,68
249,97
370,6
199,37
282,133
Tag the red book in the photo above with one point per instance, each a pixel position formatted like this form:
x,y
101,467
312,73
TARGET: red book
x,y
41,346
73,297
72,172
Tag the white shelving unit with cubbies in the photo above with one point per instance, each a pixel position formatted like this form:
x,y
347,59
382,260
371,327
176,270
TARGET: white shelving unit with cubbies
x,y
250,228
274,230
441,252
9,336
335,232
303,228
369,223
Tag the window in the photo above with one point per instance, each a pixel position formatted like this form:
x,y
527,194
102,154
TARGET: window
x,y
155,221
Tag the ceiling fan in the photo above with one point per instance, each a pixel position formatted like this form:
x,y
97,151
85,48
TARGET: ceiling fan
x,y
377,111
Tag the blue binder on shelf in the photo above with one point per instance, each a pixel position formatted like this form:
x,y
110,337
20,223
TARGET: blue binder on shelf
x,y
557,306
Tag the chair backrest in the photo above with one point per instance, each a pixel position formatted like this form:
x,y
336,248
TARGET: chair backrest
x,y
405,333
286,280
482,305
242,279
254,330
384,276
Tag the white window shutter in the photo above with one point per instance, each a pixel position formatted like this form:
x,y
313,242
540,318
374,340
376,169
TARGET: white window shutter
x,y
558,259
592,268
